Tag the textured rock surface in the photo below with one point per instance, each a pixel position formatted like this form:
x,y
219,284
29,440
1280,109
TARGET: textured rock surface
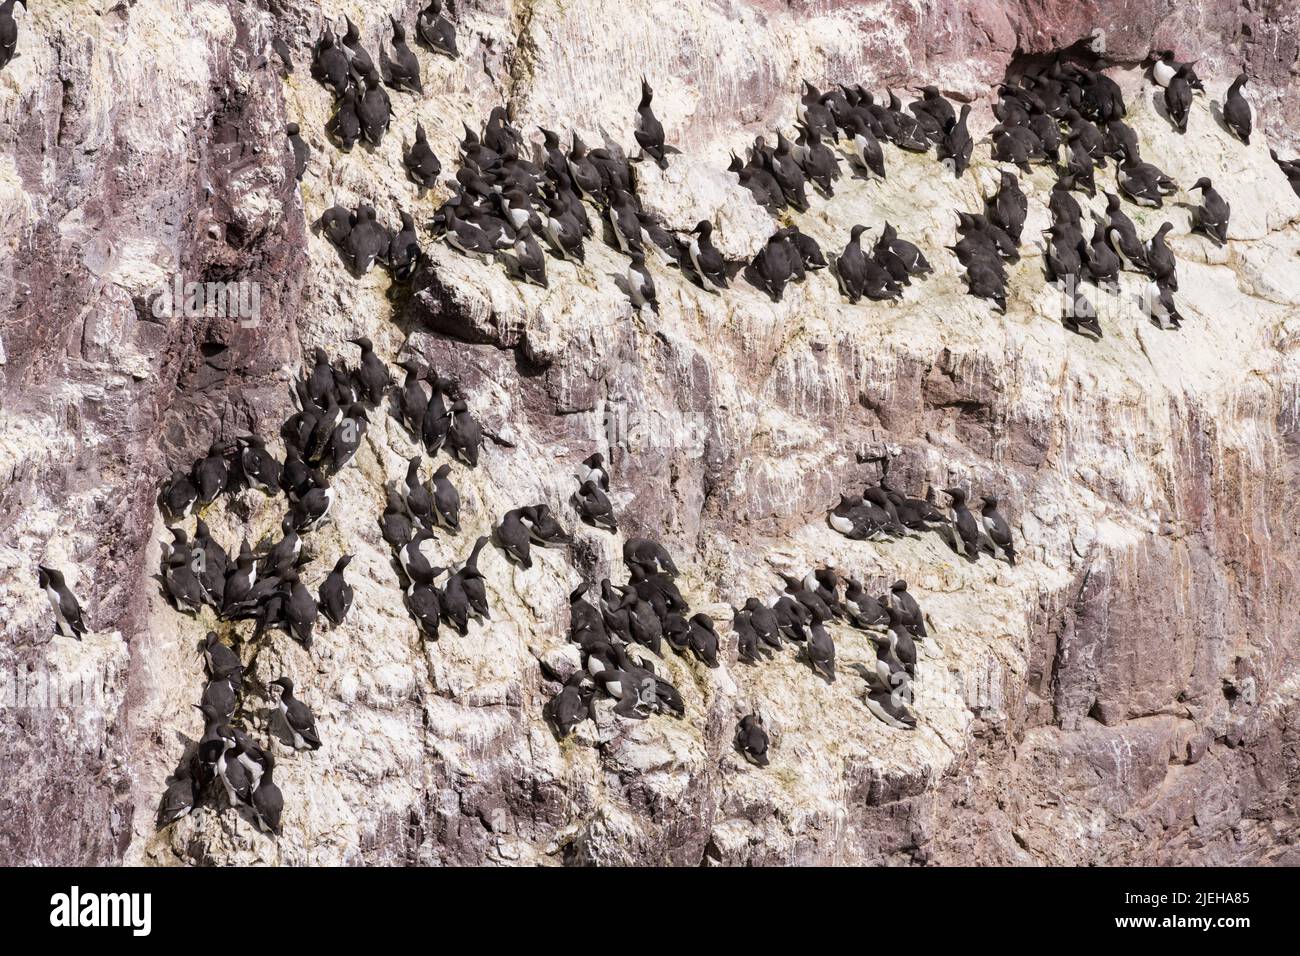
x,y
1127,695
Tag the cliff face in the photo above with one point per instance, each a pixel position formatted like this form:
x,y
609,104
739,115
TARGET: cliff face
x,y
1125,694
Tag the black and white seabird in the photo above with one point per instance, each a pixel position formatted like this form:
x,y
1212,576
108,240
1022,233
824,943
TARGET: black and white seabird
x,y
212,473
967,539
257,467
1143,183
513,536
775,265
1211,217
528,256
374,109
820,651
788,173
544,529
1122,235
178,495
412,402
344,127
416,558
625,225
372,374
862,610
707,260
1162,265
395,523
219,694
593,469
330,64
889,706
1236,111
301,151
1178,100
424,601
469,580
404,254
446,500
335,222
8,31
640,284
572,705
751,740
267,800
241,580
649,132
300,608
358,57
594,506
703,639
956,145
1158,300
180,580
404,65
336,593
864,148
297,716
1164,68
909,612
996,527
421,162
465,437
64,604
1103,262
367,241
650,555
313,507
179,797
436,31
233,771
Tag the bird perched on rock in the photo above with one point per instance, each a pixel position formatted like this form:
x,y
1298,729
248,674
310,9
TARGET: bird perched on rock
x,y
436,31
374,109
64,604
956,145
1211,217
420,160
890,707
996,527
366,241
297,715
1161,262
267,800
1236,111
649,132
8,31
179,797
301,151
967,540
571,706
751,740
404,65
359,58
1178,100
329,64
820,651
335,592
